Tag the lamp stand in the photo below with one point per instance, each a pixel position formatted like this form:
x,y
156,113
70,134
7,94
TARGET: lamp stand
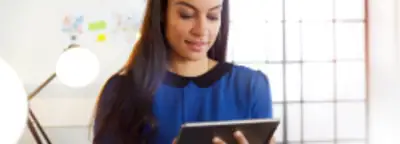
x,y
32,120
33,129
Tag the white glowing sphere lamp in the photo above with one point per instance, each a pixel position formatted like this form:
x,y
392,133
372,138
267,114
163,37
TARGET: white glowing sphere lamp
x,y
13,105
77,67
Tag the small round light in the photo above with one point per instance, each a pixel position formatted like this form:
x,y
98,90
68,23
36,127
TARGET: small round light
x,y
77,67
13,105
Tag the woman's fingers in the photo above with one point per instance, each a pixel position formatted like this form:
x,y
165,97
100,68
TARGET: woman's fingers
x,y
240,138
217,140
238,135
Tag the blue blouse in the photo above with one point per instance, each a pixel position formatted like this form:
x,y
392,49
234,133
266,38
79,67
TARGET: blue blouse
x,y
226,92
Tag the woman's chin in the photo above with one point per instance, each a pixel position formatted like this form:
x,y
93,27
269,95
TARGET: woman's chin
x,y
196,56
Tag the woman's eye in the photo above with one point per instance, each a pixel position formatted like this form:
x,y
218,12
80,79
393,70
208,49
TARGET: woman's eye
x,y
213,18
185,16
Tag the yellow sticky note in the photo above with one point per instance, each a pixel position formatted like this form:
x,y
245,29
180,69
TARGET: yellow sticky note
x,y
97,25
101,38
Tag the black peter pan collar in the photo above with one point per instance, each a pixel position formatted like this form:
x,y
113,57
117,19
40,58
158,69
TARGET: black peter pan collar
x,y
205,80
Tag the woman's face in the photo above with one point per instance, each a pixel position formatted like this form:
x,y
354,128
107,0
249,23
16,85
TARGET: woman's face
x,y
192,26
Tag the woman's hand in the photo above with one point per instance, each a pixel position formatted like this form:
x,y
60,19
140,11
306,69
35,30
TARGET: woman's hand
x,y
238,135
241,139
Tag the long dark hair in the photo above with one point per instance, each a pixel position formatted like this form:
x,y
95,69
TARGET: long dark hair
x,y
129,108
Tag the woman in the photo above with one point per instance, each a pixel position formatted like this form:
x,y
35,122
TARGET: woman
x,y
176,74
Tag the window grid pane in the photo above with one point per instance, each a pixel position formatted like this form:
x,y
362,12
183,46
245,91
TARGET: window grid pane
x,y
321,42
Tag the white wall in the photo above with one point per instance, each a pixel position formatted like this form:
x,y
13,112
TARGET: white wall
x,y
31,41
384,71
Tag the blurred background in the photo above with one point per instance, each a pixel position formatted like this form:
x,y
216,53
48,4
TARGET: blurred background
x,y
333,64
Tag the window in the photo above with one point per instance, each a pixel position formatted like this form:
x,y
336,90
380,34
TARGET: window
x,y
313,52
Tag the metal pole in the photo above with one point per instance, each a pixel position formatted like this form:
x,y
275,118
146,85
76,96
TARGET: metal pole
x,y
34,132
39,126
32,117
44,84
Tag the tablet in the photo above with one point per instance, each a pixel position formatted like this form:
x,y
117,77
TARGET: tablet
x,y
256,131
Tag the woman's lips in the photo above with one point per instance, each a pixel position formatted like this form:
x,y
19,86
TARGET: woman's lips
x,y
196,46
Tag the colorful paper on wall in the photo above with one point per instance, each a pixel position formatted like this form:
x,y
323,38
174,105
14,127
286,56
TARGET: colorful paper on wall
x,y
101,38
124,23
97,25
73,24
126,26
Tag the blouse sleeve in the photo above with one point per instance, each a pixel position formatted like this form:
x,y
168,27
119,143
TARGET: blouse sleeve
x,y
103,108
261,94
